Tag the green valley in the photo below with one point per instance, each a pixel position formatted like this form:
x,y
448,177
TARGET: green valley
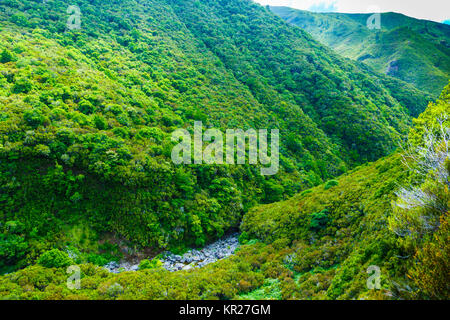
x,y
87,176
416,51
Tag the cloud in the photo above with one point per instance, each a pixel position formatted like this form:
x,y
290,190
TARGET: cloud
x,y
436,10
323,7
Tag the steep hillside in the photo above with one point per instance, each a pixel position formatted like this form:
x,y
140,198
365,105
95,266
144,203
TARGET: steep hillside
x,y
416,51
321,244
86,118
342,228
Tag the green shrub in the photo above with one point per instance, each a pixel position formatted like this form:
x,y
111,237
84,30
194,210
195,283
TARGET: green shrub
x,y
121,132
6,56
14,227
115,290
22,86
97,259
86,107
34,118
243,238
55,259
319,220
273,191
330,184
12,249
100,122
154,134
150,264
306,192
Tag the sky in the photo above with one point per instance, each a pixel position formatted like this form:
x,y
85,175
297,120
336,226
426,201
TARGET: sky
x,y
435,10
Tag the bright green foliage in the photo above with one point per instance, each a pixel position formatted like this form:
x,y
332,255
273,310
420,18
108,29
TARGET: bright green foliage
x,y
421,212
243,238
428,120
226,279
336,234
269,291
150,264
22,86
54,259
13,245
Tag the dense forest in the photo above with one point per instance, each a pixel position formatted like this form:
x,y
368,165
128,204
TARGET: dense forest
x,y
416,51
86,118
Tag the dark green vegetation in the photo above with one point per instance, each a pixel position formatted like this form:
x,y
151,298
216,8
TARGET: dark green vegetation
x,y
298,258
416,51
303,255
85,124
86,116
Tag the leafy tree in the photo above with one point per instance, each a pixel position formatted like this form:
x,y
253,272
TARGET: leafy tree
x,y
331,184
86,107
150,264
6,56
22,86
34,117
319,220
430,273
55,259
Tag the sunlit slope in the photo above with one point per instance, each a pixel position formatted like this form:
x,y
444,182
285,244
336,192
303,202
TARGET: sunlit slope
x,y
416,51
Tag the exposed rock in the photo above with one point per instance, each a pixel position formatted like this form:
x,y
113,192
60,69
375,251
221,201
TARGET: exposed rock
x,y
195,258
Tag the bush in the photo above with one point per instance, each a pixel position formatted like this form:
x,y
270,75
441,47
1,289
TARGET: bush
x,y
22,86
33,118
97,259
100,122
319,220
6,56
14,227
55,259
273,192
86,107
330,184
115,290
150,264
12,249
243,238
154,134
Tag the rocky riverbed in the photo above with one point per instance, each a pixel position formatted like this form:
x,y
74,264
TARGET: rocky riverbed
x,y
195,258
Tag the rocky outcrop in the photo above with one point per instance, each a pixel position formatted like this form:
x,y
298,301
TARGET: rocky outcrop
x,y
194,258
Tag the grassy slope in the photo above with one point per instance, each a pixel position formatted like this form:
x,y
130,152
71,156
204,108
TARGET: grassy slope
x,y
416,51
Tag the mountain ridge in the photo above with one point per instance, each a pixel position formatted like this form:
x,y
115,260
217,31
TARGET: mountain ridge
x,y
392,50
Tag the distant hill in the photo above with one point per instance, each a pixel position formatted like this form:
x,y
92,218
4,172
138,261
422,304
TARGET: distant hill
x,y
416,51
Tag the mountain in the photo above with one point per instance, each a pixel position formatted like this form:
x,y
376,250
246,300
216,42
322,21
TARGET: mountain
x,y
86,119
416,51
87,115
323,243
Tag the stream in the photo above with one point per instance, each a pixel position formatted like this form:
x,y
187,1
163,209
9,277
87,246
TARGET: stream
x,y
194,258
